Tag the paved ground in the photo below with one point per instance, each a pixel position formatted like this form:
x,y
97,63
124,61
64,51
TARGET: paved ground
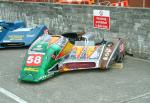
x,y
128,85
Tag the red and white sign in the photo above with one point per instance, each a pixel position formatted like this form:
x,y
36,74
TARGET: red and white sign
x,y
101,19
34,60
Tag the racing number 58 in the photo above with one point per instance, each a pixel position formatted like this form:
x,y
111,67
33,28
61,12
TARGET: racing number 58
x,y
34,60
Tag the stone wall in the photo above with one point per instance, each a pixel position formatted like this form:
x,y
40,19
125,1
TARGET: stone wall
x,y
132,24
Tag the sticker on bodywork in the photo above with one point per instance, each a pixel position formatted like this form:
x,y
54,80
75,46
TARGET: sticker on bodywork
x,y
67,48
84,52
106,55
15,37
30,35
90,51
31,69
79,50
34,60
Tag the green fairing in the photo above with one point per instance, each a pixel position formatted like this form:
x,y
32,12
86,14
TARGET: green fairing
x,y
39,73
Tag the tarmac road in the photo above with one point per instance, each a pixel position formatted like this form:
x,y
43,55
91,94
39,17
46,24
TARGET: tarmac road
x,y
128,85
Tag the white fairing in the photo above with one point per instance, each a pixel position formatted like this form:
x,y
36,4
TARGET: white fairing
x,y
95,56
22,29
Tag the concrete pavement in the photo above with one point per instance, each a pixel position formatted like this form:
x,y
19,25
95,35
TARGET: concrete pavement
x,y
128,85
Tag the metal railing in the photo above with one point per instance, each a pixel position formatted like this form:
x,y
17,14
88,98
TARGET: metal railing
x,y
96,2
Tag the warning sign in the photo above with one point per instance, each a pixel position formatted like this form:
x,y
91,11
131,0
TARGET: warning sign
x,y
101,19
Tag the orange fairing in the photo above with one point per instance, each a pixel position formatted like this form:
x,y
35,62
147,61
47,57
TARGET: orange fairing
x,y
54,39
76,1
67,48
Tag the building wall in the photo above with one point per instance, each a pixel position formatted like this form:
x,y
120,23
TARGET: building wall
x,y
147,3
132,24
133,3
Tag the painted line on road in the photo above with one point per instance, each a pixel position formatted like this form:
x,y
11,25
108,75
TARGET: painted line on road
x,y
12,96
6,75
134,98
139,59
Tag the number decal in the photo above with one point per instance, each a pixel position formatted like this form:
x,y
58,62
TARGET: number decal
x,y
37,59
107,52
30,59
34,60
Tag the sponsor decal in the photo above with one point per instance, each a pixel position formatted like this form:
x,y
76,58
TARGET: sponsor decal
x,y
106,57
31,69
43,77
79,50
108,52
30,35
65,69
15,37
90,51
37,48
6,41
67,48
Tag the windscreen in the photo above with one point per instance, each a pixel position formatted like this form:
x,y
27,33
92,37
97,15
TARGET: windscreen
x,y
40,44
45,42
84,43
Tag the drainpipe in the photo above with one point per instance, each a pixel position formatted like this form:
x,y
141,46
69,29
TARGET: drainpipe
x,y
143,3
